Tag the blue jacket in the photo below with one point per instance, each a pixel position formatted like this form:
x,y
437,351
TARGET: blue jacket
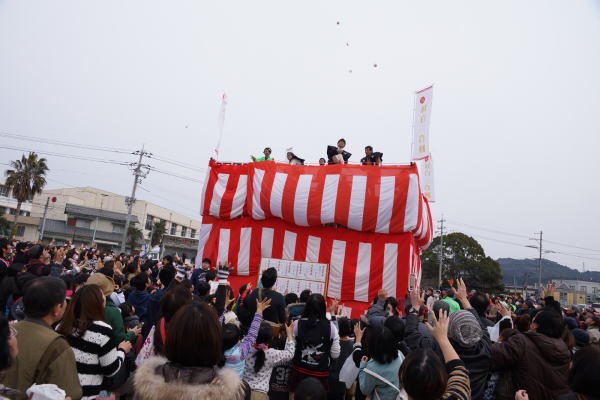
x,y
139,299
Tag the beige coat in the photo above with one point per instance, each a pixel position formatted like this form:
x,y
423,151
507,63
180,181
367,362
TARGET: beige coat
x,y
151,385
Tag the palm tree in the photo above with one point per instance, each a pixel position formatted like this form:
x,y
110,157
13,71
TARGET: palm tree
x,y
4,226
26,179
134,235
158,231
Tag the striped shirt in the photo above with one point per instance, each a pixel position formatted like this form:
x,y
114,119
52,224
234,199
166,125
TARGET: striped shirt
x,y
96,356
458,386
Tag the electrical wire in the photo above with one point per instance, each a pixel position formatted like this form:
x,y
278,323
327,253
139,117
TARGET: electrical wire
x,y
64,143
176,175
487,229
70,156
177,163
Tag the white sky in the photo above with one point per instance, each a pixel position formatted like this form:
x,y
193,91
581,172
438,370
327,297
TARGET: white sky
x,y
514,130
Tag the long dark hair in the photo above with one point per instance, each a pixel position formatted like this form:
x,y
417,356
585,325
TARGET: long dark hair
x,y
314,310
195,337
265,335
86,306
423,375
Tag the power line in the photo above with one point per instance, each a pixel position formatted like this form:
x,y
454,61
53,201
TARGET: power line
x,y
177,163
64,143
518,235
71,156
487,229
176,175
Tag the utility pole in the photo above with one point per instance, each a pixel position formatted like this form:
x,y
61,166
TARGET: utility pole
x,y
97,217
441,221
44,219
138,176
540,258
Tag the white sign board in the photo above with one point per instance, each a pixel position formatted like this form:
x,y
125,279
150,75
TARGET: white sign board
x,y
295,276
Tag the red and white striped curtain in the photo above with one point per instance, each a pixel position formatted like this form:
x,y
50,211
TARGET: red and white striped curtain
x,y
384,199
369,223
360,263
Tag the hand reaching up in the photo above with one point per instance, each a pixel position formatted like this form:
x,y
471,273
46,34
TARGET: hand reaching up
x,y
262,305
416,298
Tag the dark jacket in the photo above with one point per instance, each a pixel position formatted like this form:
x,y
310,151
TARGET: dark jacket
x,y
478,360
276,312
139,299
540,365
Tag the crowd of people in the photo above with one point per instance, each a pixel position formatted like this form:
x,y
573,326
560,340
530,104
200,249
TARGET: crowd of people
x,y
78,322
335,155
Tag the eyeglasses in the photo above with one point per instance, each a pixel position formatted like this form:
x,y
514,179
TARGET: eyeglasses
x,y
13,331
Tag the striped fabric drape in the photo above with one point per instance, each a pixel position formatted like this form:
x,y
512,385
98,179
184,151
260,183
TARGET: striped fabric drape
x,y
359,263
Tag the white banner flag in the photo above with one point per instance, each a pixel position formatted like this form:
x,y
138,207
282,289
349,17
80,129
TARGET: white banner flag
x,y
422,113
426,174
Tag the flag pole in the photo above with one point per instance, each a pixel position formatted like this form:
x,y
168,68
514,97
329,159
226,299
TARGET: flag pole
x,y
221,123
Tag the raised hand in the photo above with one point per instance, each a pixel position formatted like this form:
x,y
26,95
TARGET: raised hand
x,y
439,329
358,333
262,305
461,289
223,271
416,298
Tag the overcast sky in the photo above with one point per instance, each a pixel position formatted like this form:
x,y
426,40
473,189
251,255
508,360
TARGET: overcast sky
x,y
514,133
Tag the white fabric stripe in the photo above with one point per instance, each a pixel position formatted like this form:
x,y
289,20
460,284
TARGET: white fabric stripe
x,y
218,192
357,202
390,267
239,199
223,255
266,242
205,230
243,267
386,204
336,267
424,223
277,194
204,188
411,213
301,200
313,246
289,245
90,380
257,211
411,264
363,270
329,198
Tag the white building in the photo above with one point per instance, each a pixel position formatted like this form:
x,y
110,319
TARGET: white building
x,y
591,289
27,226
77,213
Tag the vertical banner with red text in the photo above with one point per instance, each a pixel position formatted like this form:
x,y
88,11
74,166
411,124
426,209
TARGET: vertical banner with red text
x,y
422,114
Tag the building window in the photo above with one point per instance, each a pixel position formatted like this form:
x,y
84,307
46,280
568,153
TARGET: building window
x,y
583,289
25,213
83,223
12,211
116,228
21,230
173,229
192,233
183,231
149,222
3,191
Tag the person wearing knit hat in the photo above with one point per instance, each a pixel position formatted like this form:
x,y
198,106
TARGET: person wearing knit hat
x,y
464,328
105,284
471,342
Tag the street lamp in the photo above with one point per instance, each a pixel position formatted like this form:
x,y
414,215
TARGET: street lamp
x,y
96,225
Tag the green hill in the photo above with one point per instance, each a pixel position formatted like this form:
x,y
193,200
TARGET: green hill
x,y
517,271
